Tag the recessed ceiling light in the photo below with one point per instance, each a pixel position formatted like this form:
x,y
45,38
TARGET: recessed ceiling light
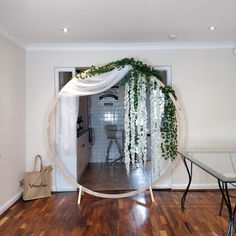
x,y
65,30
172,36
211,28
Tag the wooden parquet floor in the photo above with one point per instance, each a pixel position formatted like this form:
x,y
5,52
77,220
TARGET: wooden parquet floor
x,y
104,176
61,216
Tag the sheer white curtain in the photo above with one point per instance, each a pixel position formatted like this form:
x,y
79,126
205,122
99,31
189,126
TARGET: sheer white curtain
x,y
67,108
95,84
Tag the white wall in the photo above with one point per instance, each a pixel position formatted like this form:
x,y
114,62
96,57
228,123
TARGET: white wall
x,y
205,81
12,121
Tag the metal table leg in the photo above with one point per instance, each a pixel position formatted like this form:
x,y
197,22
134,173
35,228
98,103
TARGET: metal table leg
x,y
189,181
221,205
231,211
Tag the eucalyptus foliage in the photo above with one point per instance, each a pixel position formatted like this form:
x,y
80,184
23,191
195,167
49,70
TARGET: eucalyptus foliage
x,y
139,69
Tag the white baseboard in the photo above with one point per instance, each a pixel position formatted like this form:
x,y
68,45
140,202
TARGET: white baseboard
x,y
195,186
54,189
64,189
161,186
11,201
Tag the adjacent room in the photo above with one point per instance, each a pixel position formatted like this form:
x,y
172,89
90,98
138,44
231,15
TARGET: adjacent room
x,y
117,118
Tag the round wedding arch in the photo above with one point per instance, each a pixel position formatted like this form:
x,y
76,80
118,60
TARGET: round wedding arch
x,y
99,79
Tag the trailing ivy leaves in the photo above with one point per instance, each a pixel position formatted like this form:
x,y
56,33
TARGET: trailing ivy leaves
x,y
169,126
168,119
139,68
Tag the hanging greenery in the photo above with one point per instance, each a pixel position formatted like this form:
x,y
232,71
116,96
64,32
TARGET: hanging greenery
x,y
141,122
132,118
127,127
139,68
155,127
169,126
168,118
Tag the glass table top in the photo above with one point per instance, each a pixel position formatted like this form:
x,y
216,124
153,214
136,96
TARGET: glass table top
x,y
220,164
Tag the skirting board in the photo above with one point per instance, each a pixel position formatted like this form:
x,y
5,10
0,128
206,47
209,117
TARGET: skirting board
x,y
161,186
11,201
198,186
63,189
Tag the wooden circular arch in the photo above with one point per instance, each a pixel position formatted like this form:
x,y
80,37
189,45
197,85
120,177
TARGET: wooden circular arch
x,y
58,164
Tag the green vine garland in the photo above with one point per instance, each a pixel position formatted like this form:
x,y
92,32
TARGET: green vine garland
x,y
169,126
168,120
139,68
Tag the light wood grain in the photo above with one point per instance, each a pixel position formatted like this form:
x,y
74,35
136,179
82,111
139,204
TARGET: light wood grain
x,y
3,220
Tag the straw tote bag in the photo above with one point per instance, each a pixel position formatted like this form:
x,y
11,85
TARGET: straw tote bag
x,y
37,184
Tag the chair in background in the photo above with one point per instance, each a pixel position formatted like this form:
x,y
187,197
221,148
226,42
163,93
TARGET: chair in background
x,y
111,135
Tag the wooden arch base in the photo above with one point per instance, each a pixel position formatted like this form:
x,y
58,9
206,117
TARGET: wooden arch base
x,y
51,146
116,195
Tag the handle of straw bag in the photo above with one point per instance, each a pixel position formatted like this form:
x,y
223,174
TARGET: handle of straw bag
x,y
35,162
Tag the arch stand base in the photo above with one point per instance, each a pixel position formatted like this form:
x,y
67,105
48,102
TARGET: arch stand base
x,y
81,192
151,193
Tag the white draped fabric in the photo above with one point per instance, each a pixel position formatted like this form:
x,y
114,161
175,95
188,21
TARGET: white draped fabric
x,y
95,84
67,109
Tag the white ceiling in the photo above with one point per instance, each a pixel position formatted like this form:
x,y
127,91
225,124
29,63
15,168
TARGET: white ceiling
x,y
120,21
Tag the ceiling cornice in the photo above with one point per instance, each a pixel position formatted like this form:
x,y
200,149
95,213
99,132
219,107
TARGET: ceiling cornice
x,y
129,46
